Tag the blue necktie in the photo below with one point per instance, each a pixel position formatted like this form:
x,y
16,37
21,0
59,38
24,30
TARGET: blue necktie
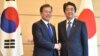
x,y
68,28
50,30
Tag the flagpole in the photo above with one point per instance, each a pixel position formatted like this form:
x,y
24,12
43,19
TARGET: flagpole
x,y
57,37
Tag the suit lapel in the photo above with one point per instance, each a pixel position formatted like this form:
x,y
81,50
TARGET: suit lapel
x,y
45,28
54,33
64,28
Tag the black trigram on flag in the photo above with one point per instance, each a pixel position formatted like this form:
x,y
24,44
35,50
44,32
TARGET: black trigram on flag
x,y
10,43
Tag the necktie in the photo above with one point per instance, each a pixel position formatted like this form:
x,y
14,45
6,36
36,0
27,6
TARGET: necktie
x,y
50,30
68,28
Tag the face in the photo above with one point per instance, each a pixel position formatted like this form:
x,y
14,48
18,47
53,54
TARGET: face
x,y
46,13
69,12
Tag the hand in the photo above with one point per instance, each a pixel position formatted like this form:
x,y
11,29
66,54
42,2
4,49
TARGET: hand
x,y
57,46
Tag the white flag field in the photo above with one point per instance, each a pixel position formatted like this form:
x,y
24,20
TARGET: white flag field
x,y
86,14
10,31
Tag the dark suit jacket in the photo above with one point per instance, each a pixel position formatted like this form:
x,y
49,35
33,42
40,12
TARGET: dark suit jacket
x,y
77,42
43,44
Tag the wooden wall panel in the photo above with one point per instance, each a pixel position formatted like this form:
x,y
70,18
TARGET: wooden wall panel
x,y
29,6
1,5
28,50
96,7
98,30
26,25
58,6
29,13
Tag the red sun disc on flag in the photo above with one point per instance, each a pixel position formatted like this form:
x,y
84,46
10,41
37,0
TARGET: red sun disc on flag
x,y
88,17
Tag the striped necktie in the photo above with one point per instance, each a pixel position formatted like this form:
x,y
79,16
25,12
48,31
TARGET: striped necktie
x,y
68,28
50,30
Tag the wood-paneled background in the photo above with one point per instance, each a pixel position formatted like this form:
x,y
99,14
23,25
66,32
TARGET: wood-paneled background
x,y
29,13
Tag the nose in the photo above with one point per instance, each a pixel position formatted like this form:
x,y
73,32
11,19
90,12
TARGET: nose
x,y
70,10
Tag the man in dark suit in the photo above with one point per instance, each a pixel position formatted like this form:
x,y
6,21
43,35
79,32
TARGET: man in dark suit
x,y
44,34
72,33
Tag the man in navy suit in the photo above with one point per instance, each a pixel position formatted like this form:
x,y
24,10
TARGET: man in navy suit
x,y
44,34
72,33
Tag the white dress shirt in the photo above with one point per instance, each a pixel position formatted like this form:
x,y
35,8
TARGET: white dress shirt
x,y
46,22
72,20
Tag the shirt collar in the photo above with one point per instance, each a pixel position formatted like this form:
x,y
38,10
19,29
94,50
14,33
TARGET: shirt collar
x,y
72,20
46,22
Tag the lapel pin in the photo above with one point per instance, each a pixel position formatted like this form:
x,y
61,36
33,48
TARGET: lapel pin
x,y
74,25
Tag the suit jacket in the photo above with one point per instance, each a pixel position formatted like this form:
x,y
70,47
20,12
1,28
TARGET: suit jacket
x,y
77,42
43,44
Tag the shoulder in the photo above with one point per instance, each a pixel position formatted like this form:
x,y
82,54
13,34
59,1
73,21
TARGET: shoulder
x,y
62,22
79,21
36,23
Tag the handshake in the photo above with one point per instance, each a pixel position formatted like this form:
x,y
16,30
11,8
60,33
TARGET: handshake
x,y
57,46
